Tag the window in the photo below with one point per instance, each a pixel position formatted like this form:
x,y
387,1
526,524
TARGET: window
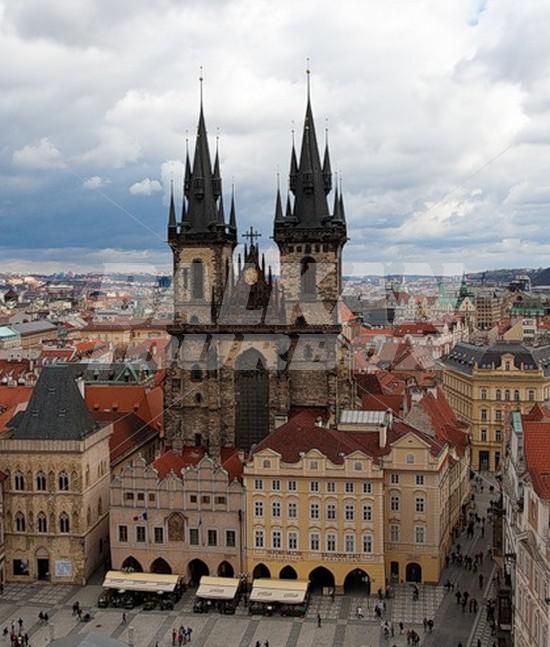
x,y
314,486
205,499
420,504
193,498
276,484
516,395
367,487
483,394
266,464
42,522
258,484
212,537
64,524
21,567
507,394
258,508
141,496
194,536
230,538
483,414
331,511
314,541
394,533
419,479
128,496
123,534
531,395
410,459
331,543
292,510
140,534
20,522
313,465
196,373
41,482
314,511
99,507
349,487
395,503
197,279
220,500
63,482
483,435
307,277
276,509
498,435
19,481
276,539
159,535
292,486
394,479
367,543
292,540
419,535
358,466
331,487
367,513
499,394
349,512
349,543
259,538
508,366
498,415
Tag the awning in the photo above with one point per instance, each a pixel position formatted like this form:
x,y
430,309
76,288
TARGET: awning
x,y
217,588
144,582
283,591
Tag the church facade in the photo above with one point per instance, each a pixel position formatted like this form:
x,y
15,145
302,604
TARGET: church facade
x,y
249,348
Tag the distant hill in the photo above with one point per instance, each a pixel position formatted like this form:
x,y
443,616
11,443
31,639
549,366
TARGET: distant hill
x,y
539,276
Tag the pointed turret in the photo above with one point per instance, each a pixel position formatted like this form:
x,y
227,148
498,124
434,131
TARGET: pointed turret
x,y
221,213
327,172
293,175
336,206
288,212
279,208
232,214
172,224
187,176
216,177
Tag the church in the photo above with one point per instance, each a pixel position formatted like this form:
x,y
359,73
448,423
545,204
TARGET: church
x,y
251,349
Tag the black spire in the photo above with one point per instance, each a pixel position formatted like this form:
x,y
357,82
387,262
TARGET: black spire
x,y
288,212
187,176
203,187
172,224
327,173
232,215
293,166
278,204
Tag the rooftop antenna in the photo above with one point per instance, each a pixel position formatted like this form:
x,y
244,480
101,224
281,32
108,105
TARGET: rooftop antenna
x,y
308,78
201,79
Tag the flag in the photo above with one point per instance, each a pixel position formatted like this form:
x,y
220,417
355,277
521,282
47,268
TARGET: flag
x,y
141,517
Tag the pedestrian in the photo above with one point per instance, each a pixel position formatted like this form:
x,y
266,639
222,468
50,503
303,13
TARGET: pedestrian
x,y
20,623
174,636
481,580
458,596
425,623
319,620
359,612
258,644
401,628
266,644
26,638
188,634
40,617
479,642
46,618
124,619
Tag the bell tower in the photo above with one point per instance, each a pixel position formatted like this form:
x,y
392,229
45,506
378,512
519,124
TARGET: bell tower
x,y
309,237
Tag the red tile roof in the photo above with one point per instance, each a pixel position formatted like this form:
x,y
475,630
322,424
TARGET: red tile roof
x,y
446,426
536,440
12,400
190,456
130,432
383,402
302,434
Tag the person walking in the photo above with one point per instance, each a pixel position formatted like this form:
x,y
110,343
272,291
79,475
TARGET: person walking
x,y
124,619
481,579
319,620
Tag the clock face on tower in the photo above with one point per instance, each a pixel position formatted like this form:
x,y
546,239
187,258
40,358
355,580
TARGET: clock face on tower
x,y
251,275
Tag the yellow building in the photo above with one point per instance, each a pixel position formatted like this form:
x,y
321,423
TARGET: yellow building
x,y
485,383
350,507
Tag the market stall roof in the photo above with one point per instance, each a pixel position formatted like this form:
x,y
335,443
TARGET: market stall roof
x,y
144,582
218,588
284,591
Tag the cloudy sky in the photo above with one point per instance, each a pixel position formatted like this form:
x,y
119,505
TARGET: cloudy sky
x,y
438,114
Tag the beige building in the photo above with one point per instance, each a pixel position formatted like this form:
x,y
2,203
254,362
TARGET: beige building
x,y
484,384
2,547
56,461
352,508
182,514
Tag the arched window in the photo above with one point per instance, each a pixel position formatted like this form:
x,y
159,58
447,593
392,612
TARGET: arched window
x,y
499,394
41,482
516,395
308,353
42,522
308,277
64,523
197,279
196,373
99,507
88,516
63,482
19,480
20,522
507,394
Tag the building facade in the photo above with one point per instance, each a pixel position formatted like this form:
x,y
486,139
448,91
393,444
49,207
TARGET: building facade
x,y
484,384
248,348
56,491
182,514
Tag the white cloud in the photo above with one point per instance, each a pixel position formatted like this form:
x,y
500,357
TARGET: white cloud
x,y
95,182
145,187
42,155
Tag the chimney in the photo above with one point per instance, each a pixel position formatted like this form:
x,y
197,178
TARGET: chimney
x,y
81,386
383,428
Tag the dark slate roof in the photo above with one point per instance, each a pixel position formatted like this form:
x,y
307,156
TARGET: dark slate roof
x,y
57,410
31,327
464,356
